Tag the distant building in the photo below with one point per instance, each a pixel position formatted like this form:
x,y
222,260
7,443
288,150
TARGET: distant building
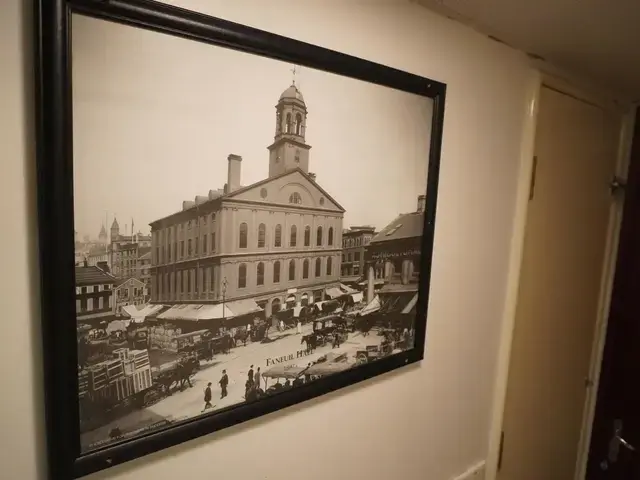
x,y
143,269
94,294
103,238
128,292
394,256
125,251
354,244
273,243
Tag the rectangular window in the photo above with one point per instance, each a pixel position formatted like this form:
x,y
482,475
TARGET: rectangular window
x,y
189,248
157,254
213,242
356,257
197,241
90,304
204,243
181,248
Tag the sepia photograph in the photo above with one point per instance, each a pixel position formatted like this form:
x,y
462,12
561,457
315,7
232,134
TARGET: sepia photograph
x,y
243,226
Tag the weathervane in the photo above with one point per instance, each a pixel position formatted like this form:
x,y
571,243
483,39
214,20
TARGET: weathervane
x,y
294,71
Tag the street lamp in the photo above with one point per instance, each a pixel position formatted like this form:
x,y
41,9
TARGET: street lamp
x,y
224,296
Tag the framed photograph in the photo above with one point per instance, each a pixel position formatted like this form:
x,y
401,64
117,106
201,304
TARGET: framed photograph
x,y
231,222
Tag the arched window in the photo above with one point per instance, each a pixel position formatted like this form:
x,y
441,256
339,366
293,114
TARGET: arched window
x,y
278,239
329,265
318,267
319,236
330,237
294,236
305,269
278,122
292,270
276,272
260,274
287,127
242,275
295,198
243,236
275,305
307,236
298,124
262,232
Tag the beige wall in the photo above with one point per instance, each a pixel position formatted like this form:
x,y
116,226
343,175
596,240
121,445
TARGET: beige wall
x,y
423,422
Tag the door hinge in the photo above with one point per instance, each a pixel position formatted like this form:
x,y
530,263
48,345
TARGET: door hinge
x,y
532,184
617,185
500,451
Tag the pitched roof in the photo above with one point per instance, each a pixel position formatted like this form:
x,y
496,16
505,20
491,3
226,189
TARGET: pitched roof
x,y
284,174
254,185
92,275
407,225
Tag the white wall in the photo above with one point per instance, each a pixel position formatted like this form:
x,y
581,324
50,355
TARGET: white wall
x,y
428,422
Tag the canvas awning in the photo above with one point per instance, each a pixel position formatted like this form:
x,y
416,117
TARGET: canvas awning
x,y
138,315
410,307
195,312
373,306
347,289
334,292
243,307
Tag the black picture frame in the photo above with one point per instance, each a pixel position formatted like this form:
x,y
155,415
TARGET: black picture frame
x,y
56,218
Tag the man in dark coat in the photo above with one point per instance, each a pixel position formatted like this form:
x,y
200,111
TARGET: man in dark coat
x,y
207,397
250,375
224,381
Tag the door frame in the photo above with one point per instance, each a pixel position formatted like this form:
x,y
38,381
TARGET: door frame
x,y
549,79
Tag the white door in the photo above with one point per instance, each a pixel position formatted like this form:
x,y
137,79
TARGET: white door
x,y
562,267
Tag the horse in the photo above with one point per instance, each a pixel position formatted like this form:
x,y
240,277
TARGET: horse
x,y
363,325
241,336
311,340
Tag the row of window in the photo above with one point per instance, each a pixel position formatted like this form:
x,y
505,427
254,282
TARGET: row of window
x,y
242,271
88,305
194,246
290,126
293,236
355,256
356,242
93,289
188,281
184,226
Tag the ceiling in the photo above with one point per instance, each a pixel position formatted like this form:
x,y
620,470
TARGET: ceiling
x,y
596,39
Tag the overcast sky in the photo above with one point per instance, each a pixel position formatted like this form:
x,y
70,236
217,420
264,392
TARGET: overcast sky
x,y
156,116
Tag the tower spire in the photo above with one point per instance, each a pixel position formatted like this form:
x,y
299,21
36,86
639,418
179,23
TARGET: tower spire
x,y
293,72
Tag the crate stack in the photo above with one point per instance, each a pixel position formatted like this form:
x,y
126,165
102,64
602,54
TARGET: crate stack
x,y
138,368
162,336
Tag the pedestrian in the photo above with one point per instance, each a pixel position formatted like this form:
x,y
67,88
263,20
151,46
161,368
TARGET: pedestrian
x,y
282,325
256,378
250,375
224,381
207,397
299,327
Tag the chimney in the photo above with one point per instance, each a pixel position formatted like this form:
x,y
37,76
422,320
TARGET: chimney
x,y
422,199
313,176
233,175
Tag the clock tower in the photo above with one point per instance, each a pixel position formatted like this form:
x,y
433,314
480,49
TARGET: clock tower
x,y
289,149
